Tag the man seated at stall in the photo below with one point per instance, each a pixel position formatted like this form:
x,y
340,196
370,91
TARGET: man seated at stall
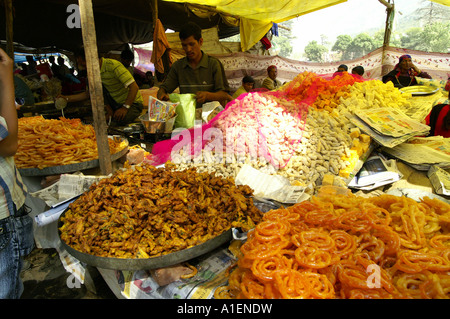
x,y
271,82
404,73
123,101
248,83
197,73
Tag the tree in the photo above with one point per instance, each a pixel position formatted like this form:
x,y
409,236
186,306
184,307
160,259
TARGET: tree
x,y
411,39
436,37
285,38
314,51
361,45
430,12
342,43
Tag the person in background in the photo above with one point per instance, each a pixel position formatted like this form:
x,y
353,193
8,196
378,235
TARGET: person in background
x,y
127,58
358,70
54,67
342,68
16,226
404,73
149,80
271,82
123,101
23,91
248,84
439,119
197,72
31,67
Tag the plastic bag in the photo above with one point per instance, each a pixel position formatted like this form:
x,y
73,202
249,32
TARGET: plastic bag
x,y
160,110
185,110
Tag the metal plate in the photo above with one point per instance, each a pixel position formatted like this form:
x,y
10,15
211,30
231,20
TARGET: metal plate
x,y
160,261
415,194
61,169
146,263
419,90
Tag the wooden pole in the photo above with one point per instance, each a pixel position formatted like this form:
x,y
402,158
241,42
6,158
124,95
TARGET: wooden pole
x,y
155,12
9,28
387,33
95,84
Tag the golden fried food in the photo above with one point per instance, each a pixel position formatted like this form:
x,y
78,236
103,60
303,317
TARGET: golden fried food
x,y
345,246
45,143
145,212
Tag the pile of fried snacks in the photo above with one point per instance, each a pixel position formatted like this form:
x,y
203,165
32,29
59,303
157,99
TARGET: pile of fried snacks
x,y
345,246
46,143
146,211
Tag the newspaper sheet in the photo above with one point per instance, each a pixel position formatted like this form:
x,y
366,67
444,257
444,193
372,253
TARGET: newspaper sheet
x,y
376,172
211,273
384,140
274,187
440,179
59,195
423,152
391,122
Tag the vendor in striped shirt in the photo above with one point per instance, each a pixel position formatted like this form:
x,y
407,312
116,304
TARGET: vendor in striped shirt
x,y
123,101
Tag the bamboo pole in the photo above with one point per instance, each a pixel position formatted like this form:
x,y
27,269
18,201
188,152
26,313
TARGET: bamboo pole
x,y
9,28
387,33
95,84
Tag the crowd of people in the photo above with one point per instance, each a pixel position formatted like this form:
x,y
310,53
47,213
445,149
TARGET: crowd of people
x,y
197,73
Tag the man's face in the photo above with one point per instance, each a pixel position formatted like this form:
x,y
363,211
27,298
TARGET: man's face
x,y
192,48
248,86
273,73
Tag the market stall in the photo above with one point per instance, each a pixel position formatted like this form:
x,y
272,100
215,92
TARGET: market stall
x,y
287,147
306,142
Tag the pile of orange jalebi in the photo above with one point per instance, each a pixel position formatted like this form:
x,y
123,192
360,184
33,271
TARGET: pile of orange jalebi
x,y
50,142
345,246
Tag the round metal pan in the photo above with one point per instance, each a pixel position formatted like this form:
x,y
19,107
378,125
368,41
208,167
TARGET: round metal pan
x,y
160,261
61,169
146,263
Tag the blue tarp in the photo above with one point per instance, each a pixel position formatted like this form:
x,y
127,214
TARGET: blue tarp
x,y
22,57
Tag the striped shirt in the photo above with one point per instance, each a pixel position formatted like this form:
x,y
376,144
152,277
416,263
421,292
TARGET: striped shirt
x,y
116,79
12,188
209,75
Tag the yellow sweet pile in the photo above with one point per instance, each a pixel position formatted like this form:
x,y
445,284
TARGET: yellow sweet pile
x,y
372,94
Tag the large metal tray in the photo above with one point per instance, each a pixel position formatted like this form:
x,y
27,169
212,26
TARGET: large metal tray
x,y
146,263
160,261
61,169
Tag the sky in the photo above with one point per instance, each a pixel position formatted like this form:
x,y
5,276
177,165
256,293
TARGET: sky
x,y
350,17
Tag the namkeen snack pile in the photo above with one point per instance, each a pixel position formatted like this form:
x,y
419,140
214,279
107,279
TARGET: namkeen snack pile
x,y
144,212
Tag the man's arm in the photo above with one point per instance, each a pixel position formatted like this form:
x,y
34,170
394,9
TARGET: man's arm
x,y
83,96
133,89
162,95
9,143
221,96
120,113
